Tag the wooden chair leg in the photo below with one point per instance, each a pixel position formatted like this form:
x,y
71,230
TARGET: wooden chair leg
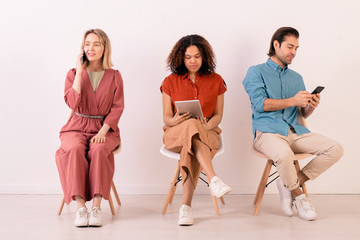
x,y
172,189
111,205
262,186
175,180
61,205
115,193
216,207
297,167
263,177
304,190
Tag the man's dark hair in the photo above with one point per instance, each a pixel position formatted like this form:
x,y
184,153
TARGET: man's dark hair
x,y
279,36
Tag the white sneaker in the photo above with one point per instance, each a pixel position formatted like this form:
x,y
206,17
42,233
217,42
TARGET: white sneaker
x,y
185,216
81,218
303,205
218,188
286,200
95,219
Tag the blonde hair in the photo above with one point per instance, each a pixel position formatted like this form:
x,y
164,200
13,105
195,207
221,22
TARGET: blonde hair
x,y
105,41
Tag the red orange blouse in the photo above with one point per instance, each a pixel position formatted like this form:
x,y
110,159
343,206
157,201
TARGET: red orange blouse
x,y
206,89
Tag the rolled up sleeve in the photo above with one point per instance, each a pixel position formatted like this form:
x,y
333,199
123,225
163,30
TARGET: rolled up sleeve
x,y
255,87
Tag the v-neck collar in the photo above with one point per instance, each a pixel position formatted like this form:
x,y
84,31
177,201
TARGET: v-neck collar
x,y
92,100
95,81
88,82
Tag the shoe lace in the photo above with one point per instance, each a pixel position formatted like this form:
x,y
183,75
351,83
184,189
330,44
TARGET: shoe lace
x,y
306,205
83,213
185,212
218,184
96,212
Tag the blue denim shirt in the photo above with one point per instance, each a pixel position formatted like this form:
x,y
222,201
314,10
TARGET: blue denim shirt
x,y
268,80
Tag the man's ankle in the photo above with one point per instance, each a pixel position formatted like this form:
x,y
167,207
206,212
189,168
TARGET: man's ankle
x,y
296,192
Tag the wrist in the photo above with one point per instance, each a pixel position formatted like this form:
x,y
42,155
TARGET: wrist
x,y
290,102
79,70
172,122
102,131
309,108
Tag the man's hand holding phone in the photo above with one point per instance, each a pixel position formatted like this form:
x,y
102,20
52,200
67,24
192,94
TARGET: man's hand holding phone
x,y
315,100
301,99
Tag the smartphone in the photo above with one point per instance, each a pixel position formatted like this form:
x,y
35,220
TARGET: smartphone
x,y
83,58
318,89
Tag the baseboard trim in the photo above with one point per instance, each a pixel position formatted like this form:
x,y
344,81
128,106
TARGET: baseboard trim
x,y
163,189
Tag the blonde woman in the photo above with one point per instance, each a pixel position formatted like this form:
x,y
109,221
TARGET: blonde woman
x,y
94,93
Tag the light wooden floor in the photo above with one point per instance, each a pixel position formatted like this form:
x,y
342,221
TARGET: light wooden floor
x,y
34,217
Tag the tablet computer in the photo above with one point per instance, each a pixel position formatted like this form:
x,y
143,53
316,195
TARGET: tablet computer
x,y
191,106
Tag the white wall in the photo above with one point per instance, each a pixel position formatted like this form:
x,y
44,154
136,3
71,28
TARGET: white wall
x,y
40,40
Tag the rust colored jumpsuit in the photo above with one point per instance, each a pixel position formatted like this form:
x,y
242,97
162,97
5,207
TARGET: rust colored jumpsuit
x,y
86,168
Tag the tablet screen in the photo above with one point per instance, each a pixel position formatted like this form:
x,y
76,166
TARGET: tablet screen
x,y
191,106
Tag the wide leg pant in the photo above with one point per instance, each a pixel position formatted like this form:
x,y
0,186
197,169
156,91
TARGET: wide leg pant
x,y
85,168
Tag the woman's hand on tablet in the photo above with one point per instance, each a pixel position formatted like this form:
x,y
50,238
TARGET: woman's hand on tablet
x,y
177,119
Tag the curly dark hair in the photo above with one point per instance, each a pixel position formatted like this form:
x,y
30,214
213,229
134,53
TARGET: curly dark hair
x,y
175,61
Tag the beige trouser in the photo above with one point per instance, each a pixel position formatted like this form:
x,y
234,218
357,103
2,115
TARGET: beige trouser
x,y
281,150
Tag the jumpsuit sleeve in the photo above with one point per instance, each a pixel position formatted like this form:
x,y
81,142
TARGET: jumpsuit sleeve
x,y
72,98
117,107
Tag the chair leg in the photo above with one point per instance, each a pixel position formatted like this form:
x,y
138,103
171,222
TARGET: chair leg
x,y
111,205
304,190
262,180
216,207
175,180
115,193
61,205
297,167
262,186
172,189
222,200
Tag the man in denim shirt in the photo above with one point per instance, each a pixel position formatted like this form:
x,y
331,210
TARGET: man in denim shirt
x,y
276,92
